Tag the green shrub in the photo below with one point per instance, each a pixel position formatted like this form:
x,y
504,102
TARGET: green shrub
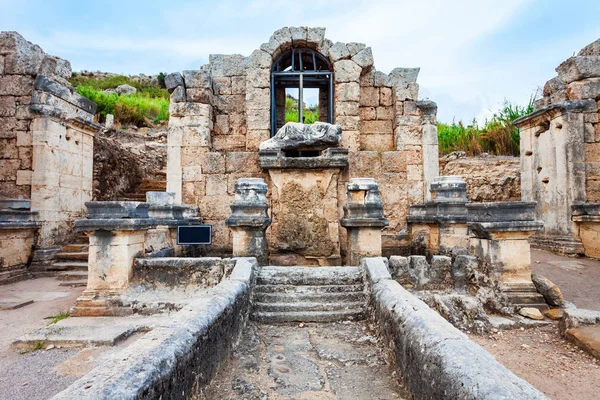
x,y
149,105
138,109
498,136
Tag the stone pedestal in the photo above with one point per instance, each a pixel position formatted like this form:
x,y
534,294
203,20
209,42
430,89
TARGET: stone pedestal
x,y
587,219
363,219
440,225
118,233
499,237
304,206
17,238
249,219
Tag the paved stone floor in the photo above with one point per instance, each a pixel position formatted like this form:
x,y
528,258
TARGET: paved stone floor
x,y
577,278
307,361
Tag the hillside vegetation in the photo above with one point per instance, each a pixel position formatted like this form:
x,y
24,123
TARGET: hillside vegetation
x,y
498,136
150,105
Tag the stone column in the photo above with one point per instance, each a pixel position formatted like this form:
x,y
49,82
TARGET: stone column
x,y
249,219
117,234
499,237
363,219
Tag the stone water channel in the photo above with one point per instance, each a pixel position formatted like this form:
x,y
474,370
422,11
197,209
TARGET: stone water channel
x,y
336,360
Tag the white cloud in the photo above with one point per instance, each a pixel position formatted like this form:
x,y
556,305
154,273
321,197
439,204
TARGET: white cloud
x,y
442,37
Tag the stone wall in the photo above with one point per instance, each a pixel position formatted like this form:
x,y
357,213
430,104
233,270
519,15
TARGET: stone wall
x,y
579,79
179,359
493,178
560,153
436,360
222,112
46,137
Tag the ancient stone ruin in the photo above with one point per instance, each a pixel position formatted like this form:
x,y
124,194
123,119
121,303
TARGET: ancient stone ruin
x,y
560,157
345,219
222,113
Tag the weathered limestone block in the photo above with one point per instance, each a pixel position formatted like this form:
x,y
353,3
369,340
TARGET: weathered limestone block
x,y
578,68
314,36
297,136
259,59
585,89
227,65
363,219
398,266
364,58
346,71
462,268
173,80
381,79
349,91
339,51
249,219
20,56
299,35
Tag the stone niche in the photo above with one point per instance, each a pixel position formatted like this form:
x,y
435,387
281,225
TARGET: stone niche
x,y
222,112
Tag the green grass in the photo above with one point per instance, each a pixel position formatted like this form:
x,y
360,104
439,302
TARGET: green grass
x,y
498,136
150,105
58,317
311,114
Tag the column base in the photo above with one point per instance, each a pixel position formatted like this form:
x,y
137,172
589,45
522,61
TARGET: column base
x,y
93,303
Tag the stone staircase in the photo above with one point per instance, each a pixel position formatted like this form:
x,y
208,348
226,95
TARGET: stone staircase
x,y
147,185
308,294
71,262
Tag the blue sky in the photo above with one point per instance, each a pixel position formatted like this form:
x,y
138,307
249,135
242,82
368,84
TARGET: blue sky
x,y
473,53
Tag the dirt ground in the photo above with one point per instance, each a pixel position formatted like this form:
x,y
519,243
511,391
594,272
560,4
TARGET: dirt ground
x,y
577,278
551,364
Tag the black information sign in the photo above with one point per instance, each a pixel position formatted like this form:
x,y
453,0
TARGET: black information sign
x,y
194,234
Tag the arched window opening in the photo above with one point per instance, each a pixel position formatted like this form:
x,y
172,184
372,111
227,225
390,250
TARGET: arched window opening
x,y
297,76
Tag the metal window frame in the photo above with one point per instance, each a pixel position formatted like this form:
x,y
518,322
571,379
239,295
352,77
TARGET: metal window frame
x,y
312,78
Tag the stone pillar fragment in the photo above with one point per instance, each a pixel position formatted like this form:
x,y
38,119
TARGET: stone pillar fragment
x,y
249,219
499,237
363,219
117,232
440,225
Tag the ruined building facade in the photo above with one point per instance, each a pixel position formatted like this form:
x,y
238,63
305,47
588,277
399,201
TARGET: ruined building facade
x,y
560,156
46,154
222,112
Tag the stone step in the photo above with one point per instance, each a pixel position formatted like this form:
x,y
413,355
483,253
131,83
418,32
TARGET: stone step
x,y
310,276
80,239
75,247
308,316
64,255
308,289
69,266
307,306
80,283
292,297
72,275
